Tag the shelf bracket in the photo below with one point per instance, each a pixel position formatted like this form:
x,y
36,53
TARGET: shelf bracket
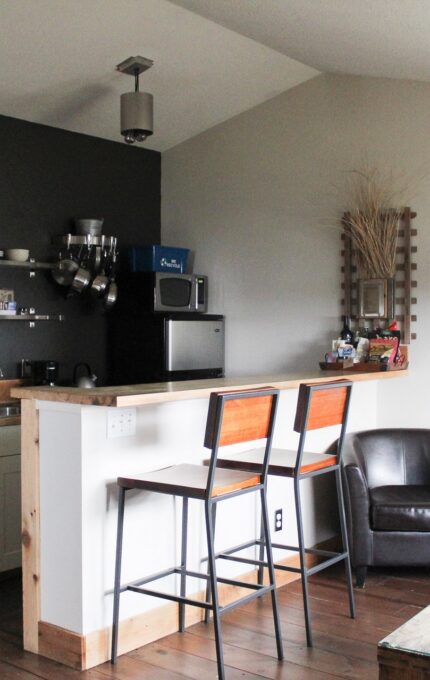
x,y
32,272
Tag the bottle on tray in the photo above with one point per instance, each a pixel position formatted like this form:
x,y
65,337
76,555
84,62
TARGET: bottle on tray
x,y
346,333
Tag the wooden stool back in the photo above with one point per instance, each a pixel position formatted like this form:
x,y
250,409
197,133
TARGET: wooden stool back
x,y
237,417
319,406
244,418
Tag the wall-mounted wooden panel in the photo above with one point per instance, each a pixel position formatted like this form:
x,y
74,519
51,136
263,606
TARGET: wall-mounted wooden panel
x,y
402,282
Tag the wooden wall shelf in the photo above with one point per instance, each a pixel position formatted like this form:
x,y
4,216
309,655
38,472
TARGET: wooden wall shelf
x,y
403,281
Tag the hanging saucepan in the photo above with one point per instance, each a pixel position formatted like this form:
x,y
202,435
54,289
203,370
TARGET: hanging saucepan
x,y
82,277
98,252
66,268
111,294
101,281
112,290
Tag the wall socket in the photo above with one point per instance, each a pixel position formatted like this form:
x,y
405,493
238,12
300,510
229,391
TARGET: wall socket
x,y
278,520
121,422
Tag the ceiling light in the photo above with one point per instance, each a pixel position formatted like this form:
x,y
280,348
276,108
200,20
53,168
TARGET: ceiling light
x,y
137,108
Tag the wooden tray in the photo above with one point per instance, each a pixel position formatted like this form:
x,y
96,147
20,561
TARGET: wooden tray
x,y
364,367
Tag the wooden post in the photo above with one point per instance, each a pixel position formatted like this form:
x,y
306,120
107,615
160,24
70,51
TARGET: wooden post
x,y
347,263
407,264
30,508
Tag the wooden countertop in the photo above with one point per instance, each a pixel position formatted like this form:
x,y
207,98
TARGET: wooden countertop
x,y
155,393
6,385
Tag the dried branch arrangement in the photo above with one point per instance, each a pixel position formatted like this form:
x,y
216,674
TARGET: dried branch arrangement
x,y
373,220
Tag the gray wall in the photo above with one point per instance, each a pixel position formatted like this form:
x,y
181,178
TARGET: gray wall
x,y
252,197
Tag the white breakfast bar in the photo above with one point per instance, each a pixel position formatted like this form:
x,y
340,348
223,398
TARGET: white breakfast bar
x,y
72,454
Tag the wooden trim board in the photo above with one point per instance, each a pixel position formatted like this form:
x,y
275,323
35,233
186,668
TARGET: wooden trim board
x,y
86,651
62,645
30,523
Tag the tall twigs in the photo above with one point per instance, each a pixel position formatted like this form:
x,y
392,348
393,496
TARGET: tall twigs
x,y
372,222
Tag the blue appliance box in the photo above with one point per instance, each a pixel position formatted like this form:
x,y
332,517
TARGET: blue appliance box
x,y
158,259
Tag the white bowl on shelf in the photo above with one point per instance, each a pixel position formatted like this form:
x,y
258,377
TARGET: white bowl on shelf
x,y
17,254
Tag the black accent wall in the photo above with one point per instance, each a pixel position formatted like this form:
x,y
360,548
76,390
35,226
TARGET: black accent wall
x,y
47,177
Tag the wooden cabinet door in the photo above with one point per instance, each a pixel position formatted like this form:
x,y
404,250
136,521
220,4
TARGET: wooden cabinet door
x,y
10,512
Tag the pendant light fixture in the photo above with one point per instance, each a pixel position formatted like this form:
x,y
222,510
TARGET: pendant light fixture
x,y
137,108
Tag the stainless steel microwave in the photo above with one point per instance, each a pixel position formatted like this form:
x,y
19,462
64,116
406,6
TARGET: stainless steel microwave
x,y
149,292
178,292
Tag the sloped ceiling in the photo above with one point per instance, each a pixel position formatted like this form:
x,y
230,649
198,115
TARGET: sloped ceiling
x,y
388,38
58,62
212,59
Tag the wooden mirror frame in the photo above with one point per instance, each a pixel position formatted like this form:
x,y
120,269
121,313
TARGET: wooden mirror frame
x,y
373,299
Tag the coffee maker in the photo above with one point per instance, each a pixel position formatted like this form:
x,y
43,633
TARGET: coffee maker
x,y
40,372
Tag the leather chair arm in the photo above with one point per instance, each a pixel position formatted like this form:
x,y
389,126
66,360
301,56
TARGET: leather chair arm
x,y
358,514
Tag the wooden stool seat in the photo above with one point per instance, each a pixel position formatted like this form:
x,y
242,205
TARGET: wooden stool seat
x,y
191,481
282,462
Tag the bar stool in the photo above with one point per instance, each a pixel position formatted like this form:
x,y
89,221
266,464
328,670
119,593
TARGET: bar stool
x,y
318,406
232,417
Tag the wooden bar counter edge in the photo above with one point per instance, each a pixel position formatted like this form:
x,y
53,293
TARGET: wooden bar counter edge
x,y
155,393
51,641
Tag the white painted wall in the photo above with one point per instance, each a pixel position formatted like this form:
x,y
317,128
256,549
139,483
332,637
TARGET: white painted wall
x,y
249,197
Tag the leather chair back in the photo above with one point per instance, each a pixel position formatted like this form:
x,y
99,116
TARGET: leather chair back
x,y
391,456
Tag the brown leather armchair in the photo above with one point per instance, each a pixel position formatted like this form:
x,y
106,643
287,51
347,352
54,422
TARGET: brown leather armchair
x,y
386,476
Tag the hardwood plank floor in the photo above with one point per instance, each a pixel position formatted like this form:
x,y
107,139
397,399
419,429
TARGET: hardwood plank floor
x,y
343,648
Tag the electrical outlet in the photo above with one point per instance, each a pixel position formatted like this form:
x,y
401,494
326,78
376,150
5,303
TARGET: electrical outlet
x,y
121,422
278,520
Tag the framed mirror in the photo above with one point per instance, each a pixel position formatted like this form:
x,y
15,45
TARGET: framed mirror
x,y
375,299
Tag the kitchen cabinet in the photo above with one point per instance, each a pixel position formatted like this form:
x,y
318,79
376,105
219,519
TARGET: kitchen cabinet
x,y
10,497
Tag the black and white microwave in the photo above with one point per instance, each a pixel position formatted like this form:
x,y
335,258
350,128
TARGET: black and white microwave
x,y
165,292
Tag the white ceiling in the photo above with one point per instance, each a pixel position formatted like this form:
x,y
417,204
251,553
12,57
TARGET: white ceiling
x,y
58,57
58,61
363,37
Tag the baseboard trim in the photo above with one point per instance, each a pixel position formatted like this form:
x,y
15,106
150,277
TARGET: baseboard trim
x,y
86,651
62,645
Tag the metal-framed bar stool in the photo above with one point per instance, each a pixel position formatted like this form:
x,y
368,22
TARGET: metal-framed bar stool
x,y
318,406
233,417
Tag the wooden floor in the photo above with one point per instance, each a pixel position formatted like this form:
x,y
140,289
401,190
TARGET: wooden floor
x,y
343,648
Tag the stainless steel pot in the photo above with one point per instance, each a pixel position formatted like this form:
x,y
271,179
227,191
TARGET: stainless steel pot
x,y
89,226
82,277
112,290
98,252
101,281
66,267
111,294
